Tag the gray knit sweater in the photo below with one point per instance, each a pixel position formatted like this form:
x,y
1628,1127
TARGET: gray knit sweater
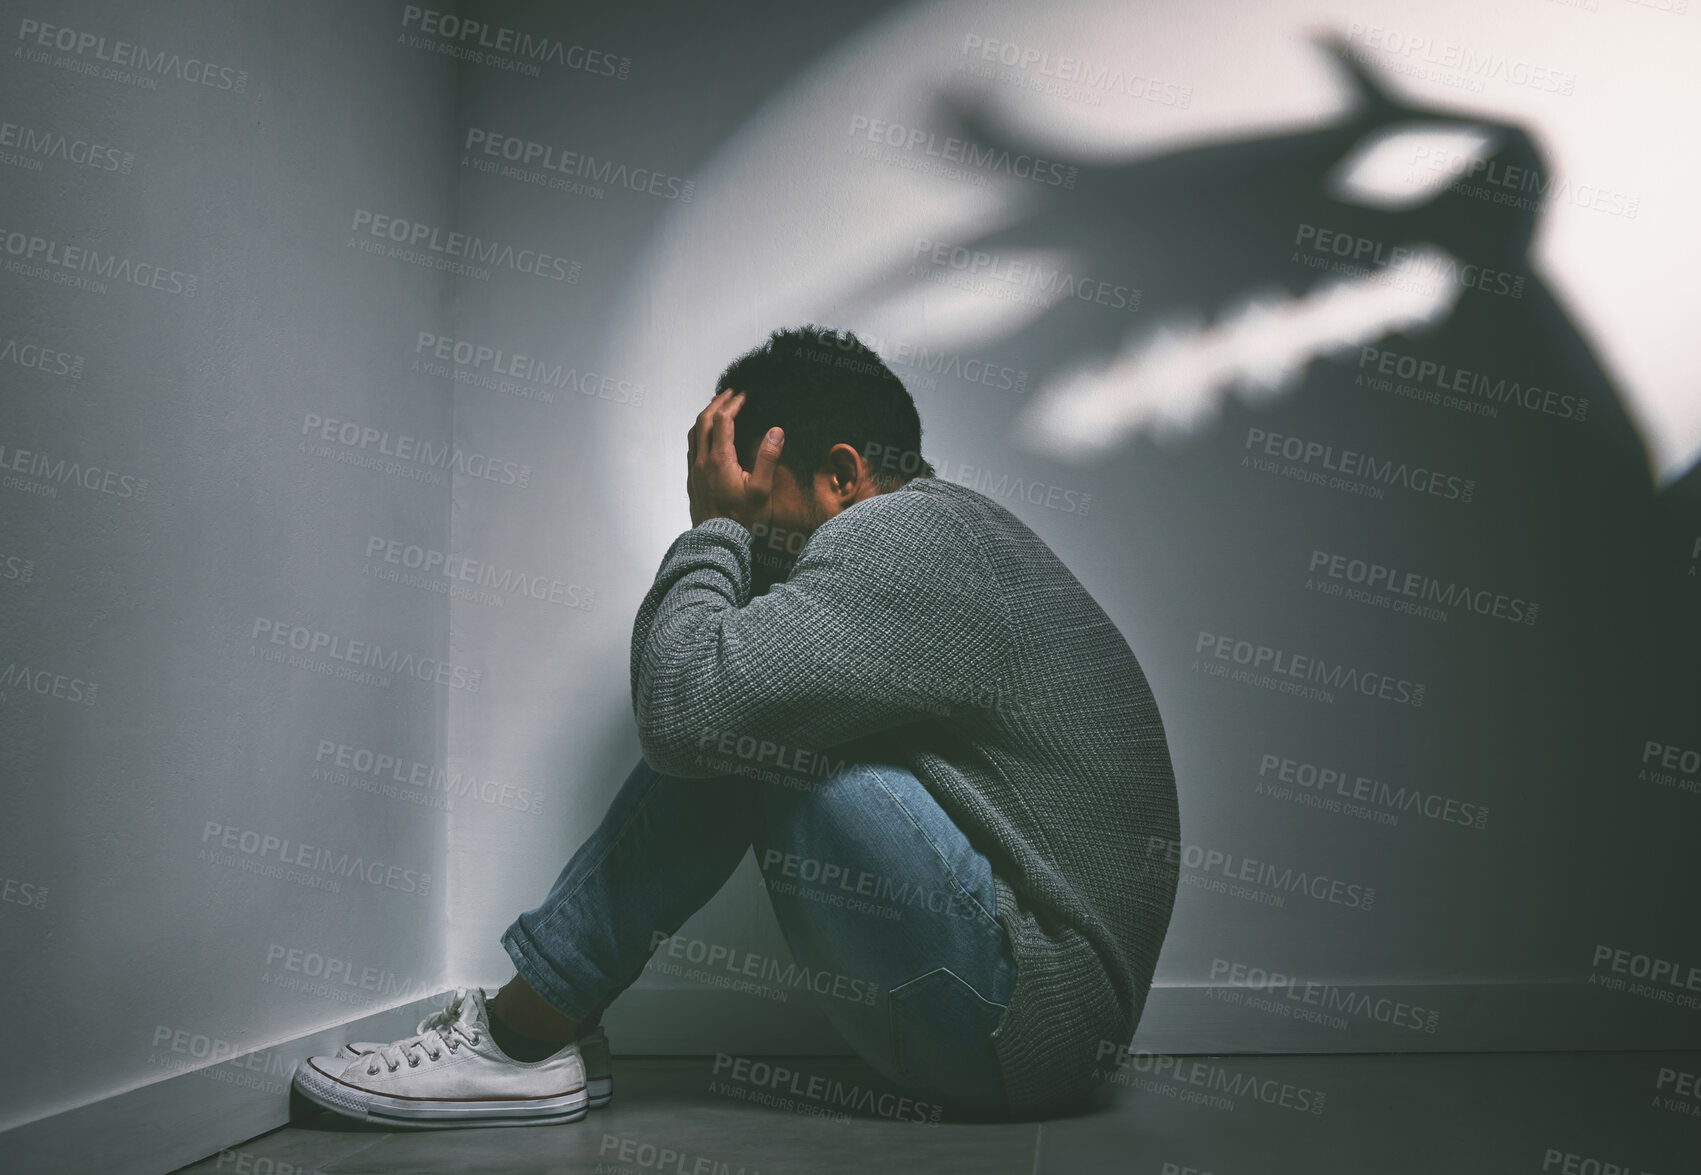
x,y
930,626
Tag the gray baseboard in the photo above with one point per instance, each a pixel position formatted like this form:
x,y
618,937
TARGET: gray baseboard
x,y
166,1124
158,1127
1413,1018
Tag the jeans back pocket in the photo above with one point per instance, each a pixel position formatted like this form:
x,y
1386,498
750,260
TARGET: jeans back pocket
x,y
942,1039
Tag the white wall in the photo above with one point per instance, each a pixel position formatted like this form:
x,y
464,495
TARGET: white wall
x,y
1550,841
147,944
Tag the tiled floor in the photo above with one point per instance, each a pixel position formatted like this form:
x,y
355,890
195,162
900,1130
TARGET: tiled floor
x,y
1436,1114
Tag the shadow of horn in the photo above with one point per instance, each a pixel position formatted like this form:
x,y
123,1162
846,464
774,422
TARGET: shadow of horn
x,y
1374,103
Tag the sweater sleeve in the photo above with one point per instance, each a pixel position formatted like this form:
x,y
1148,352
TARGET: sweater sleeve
x,y
888,617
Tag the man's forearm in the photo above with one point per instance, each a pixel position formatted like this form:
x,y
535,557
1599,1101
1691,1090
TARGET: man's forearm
x,y
875,627
707,569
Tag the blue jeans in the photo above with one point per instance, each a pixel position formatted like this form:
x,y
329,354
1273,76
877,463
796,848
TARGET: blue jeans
x,y
878,893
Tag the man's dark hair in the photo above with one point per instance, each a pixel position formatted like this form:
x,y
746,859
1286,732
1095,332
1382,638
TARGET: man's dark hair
x,y
824,388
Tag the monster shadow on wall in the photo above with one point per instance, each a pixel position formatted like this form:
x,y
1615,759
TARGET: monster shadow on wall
x,y
1563,513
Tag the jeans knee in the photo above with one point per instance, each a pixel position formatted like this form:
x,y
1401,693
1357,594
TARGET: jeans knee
x,y
785,815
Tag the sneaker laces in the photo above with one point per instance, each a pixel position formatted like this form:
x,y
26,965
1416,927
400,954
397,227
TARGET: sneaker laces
x,y
457,1022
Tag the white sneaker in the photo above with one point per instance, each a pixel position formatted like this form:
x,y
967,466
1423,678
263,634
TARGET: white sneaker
x,y
450,1074
599,1066
593,1051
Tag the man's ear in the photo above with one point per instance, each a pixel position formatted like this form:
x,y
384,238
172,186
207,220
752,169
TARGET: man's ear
x,y
849,479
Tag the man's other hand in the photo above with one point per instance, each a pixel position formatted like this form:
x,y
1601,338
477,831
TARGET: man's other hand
x,y
714,481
